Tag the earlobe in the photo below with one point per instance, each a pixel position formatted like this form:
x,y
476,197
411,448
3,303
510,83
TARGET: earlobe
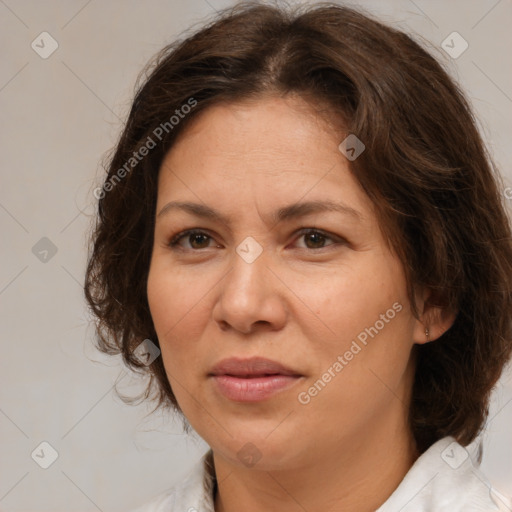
x,y
434,321
433,324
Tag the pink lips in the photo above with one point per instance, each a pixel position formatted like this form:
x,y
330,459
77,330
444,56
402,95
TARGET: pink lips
x,y
251,380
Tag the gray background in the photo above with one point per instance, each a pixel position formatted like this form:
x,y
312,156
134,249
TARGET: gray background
x,y
59,115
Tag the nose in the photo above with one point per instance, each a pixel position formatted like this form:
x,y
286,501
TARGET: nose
x,y
251,297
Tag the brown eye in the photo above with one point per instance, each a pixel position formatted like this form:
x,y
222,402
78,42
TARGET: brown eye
x,y
315,239
196,239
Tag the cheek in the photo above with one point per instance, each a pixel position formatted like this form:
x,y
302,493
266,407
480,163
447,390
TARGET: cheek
x,y
174,306
365,313
174,298
351,299
171,309
180,305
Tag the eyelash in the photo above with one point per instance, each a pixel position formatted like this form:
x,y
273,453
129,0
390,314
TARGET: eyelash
x,y
174,242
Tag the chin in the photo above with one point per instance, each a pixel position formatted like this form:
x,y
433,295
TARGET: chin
x,y
255,448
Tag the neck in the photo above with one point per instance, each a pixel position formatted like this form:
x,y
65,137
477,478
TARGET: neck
x,y
357,475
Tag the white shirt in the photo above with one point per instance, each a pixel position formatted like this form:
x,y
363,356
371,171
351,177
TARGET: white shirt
x,y
443,479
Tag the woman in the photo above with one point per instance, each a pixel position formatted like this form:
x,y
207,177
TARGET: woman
x,y
301,216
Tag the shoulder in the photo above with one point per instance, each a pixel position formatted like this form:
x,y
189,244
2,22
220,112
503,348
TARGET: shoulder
x,y
446,478
192,494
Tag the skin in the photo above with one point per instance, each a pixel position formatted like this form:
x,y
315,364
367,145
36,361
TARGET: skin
x,y
302,302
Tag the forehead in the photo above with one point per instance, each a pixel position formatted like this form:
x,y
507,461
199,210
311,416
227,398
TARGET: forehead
x,y
270,128
278,150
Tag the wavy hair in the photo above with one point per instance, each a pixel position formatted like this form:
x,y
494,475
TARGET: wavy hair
x,y
434,186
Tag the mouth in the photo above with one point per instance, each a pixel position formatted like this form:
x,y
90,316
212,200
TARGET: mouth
x,y
252,380
252,367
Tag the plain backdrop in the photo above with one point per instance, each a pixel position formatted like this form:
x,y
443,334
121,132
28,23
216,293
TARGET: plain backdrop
x,y
59,115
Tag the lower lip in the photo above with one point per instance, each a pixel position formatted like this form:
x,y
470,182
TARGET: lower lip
x,y
253,389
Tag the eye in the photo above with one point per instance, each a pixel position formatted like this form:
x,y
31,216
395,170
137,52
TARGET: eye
x,y
197,239
315,239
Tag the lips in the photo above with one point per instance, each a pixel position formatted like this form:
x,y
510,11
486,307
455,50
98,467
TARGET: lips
x,y
249,368
252,380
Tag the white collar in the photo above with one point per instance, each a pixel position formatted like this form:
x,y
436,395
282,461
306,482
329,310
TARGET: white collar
x,y
443,479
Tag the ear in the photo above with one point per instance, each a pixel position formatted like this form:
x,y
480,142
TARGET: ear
x,y
432,318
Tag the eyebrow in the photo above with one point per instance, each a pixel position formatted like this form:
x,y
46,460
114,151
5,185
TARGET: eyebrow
x,y
289,212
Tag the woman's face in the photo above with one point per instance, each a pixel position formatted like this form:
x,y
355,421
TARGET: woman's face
x,y
272,273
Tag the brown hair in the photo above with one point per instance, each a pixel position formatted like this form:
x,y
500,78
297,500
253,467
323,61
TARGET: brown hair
x,y
425,168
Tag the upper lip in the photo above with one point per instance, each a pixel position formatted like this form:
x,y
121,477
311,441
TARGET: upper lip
x,y
254,366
